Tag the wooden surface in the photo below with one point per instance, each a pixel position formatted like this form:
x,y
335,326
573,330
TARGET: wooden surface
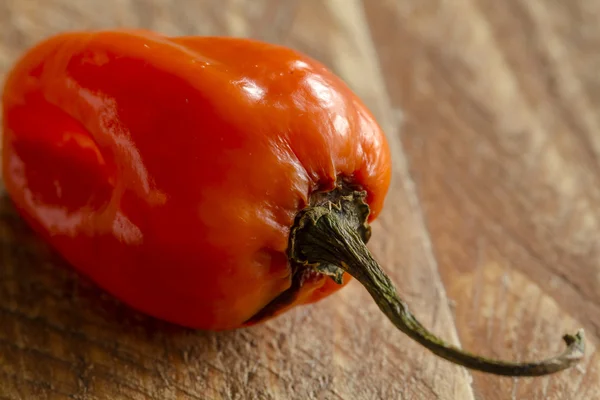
x,y
491,229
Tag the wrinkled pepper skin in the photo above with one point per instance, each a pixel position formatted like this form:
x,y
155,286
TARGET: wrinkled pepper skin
x,y
170,170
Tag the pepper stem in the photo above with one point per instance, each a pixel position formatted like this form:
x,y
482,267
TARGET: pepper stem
x,y
330,235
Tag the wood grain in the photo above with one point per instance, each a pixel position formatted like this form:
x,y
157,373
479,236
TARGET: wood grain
x,y
490,228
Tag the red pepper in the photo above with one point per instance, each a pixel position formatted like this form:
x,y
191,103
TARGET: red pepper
x,y
211,182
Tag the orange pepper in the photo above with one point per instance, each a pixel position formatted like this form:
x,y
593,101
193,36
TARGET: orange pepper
x,y
211,182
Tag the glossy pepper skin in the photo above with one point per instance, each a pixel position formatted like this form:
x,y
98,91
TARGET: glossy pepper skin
x,y
170,170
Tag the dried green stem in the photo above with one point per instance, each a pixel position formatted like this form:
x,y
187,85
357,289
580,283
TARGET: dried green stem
x,y
330,236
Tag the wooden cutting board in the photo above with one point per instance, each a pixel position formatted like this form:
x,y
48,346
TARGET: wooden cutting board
x,y
491,229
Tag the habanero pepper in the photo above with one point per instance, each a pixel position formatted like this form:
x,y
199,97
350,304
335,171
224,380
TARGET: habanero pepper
x,y
212,182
